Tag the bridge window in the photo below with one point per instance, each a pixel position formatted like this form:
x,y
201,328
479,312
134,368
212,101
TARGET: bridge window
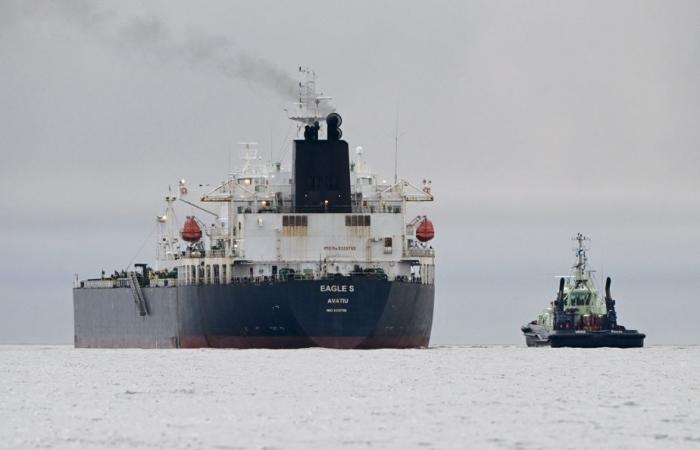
x,y
357,221
295,221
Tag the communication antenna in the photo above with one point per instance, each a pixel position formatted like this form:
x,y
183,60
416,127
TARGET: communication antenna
x,y
250,155
397,135
270,142
396,153
309,107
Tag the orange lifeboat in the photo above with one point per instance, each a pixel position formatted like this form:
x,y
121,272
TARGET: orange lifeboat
x,y
190,231
425,230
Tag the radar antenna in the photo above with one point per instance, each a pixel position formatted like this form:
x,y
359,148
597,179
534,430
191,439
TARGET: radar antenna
x,y
580,252
312,106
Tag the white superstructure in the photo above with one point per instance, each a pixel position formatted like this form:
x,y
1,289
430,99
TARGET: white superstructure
x,y
251,233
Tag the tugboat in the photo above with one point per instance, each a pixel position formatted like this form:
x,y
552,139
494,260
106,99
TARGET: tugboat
x,y
579,317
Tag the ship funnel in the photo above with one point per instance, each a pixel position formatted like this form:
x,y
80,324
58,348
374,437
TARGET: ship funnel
x,y
610,305
561,288
333,131
321,171
559,302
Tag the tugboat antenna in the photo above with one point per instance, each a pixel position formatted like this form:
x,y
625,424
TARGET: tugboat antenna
x,y
581,258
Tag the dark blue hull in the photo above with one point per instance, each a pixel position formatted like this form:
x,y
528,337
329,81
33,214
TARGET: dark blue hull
x,y
341,313
307,313
537,336
597,339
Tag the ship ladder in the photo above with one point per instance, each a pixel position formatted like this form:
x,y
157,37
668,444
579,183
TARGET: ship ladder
x,y
136,291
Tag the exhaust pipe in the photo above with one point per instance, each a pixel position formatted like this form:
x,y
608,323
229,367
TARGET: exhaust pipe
x,y
610,306
559,306
561,288
559,303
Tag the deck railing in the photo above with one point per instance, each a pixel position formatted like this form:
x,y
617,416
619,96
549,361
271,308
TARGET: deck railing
x,y
110,283
417,252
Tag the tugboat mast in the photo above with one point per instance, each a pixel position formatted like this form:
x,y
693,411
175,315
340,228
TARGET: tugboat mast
x,y
581,258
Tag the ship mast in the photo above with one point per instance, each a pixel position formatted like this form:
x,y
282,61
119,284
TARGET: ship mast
x,y
250,158
312,106
167,249
581,258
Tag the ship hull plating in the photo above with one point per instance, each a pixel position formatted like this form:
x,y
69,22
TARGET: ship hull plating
x,y
536,337
597,339
340,313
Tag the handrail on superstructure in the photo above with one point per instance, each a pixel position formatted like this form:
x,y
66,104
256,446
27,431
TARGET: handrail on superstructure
x,y
223,196
419,196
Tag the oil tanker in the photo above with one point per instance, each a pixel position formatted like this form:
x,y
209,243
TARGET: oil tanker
x,y
324,253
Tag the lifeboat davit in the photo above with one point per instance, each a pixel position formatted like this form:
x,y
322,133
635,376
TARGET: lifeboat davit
x,y
190,231
425,230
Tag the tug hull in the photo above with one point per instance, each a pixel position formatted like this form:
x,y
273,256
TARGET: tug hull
x,y
537,336
597,339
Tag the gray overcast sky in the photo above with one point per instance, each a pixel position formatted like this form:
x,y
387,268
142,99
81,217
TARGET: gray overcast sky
x,y
535,120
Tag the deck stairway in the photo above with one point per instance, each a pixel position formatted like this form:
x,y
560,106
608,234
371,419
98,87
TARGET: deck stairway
x,y
136,291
